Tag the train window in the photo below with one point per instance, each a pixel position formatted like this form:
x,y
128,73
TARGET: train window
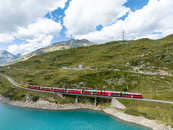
x,y
94,92
87,92
104,93
115,94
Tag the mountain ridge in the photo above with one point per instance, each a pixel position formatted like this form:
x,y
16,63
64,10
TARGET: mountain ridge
x,y
6,57
63,45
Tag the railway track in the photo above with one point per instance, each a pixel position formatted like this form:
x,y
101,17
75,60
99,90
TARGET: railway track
x,y
144,99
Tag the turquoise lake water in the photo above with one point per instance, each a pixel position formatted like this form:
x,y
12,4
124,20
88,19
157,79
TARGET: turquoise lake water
x,y
14,118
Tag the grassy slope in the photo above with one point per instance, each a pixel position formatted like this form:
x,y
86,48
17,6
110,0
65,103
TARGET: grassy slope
x,y
153,111
46,70
8,90
16,94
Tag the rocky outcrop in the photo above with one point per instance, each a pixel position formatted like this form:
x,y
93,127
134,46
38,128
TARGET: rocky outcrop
x,y
43,104
116,104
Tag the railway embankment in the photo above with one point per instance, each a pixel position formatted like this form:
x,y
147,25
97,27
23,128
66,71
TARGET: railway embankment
x,y
46,105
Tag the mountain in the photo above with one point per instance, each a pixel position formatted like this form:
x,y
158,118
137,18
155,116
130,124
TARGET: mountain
x,y
58,46
6,57
64,45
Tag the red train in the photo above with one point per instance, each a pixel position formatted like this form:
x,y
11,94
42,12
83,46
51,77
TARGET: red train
x,y
88,92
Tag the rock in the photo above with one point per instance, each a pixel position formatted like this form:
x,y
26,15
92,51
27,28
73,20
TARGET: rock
x,y
115,103
121,82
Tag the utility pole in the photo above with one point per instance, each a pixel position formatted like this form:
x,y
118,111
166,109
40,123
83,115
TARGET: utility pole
x,y
77,99
95,101
123,35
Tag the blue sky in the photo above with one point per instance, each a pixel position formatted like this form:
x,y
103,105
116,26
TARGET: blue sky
x,y
58,15
95,20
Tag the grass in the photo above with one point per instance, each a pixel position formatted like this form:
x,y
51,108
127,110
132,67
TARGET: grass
x,y
17,94
156,87
113,54
148,55
8,90
150,110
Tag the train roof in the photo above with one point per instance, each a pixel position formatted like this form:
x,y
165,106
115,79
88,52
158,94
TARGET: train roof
x,y
115,92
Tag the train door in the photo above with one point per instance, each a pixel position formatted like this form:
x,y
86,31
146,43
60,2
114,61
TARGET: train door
x,y
109,94
131,96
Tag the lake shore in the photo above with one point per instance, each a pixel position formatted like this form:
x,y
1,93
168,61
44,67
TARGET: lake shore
x,y
46,105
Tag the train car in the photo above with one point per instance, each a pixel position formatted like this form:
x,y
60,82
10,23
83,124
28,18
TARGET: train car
x,y
126,95
137,95
86,92
34,87
96,92
105,93
92,92
115,94
59,90
45,89
74,91
131,95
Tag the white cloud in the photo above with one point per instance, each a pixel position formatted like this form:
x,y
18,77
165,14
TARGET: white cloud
x,y
16,21
152,21
155,17
16,13
35,35
83,16
60,3
5,37
31,45
107,34
41,26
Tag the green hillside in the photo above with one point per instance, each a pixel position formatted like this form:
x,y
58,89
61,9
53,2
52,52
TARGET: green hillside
x,y
144,66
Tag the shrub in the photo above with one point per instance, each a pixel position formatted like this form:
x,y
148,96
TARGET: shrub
x,y
35,98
